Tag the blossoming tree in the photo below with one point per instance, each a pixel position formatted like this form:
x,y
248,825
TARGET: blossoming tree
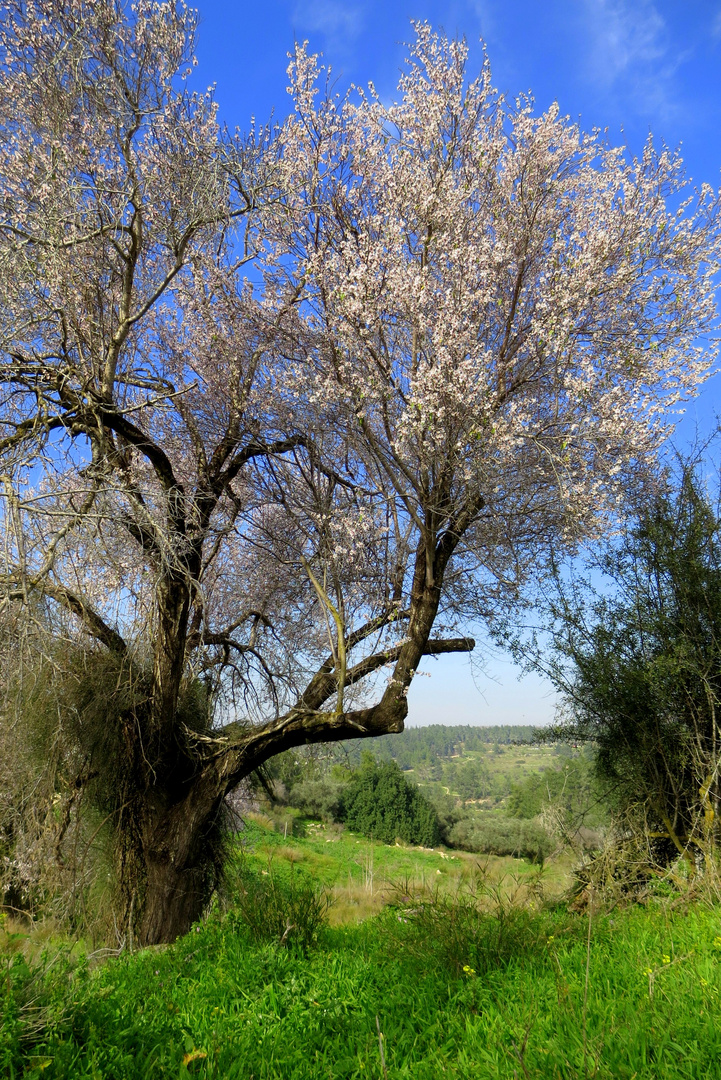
x,y
500,309
275,408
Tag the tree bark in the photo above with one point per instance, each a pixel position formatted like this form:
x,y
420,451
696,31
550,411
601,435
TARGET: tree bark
x,y
181,806
174,899
179,857
173,602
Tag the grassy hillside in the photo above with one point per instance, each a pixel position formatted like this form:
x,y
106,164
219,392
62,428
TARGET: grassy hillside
x,y
329,955
508,986
490,796
362,877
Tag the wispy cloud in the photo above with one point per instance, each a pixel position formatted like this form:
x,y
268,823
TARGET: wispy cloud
x,y
716,26
630,52
483,10
339,23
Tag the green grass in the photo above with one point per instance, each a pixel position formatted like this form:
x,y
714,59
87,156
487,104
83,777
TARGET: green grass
x,y
256,1011
362,876
262,1012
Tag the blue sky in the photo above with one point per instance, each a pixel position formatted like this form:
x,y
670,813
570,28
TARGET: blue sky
x,y
631,66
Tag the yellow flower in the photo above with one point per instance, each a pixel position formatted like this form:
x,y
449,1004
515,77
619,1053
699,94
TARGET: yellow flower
x,y
666,959
468,970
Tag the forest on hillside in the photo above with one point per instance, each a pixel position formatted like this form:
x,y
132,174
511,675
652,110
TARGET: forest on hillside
x,y
487,788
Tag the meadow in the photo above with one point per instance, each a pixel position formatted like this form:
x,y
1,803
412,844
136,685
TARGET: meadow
x,y
426,964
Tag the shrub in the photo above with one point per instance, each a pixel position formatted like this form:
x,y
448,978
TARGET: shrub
x,y
492,835
636,654
289,910
381,803
317,798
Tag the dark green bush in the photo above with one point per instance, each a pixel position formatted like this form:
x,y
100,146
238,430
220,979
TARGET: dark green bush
x,y
381,803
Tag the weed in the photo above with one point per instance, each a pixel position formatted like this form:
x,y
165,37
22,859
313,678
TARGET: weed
x,y
289,909
479,927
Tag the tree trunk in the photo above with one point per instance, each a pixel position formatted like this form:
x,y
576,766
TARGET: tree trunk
x,y
174,899
178,867
172,603
169,875
177,858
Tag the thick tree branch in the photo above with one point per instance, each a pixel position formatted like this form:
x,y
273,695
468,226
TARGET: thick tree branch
x,y
304,724
93,623
89,617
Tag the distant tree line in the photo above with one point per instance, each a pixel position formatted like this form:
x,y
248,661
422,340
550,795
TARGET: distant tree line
x,y
423,745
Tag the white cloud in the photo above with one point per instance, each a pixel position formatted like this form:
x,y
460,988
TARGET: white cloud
x,y
483,10
627,36
339,23
716,26
630,52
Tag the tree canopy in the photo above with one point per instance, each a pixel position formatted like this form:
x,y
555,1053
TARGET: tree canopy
x,y
379,802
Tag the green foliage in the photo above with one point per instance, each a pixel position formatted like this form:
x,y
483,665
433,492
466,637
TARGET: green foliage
x,y
640,661
33,994
379,802
477,927
457,994
571,787
468,779
416,748
318,798
493,834
455,786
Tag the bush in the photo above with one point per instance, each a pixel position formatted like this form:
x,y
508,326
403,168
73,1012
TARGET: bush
x,y
317,798
637,656
381,803
289,910
492,835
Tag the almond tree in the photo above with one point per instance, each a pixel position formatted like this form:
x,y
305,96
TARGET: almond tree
x,y
251,498
501,309
183,566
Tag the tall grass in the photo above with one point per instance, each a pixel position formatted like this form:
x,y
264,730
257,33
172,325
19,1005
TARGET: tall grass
x,y
457,993
286,909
